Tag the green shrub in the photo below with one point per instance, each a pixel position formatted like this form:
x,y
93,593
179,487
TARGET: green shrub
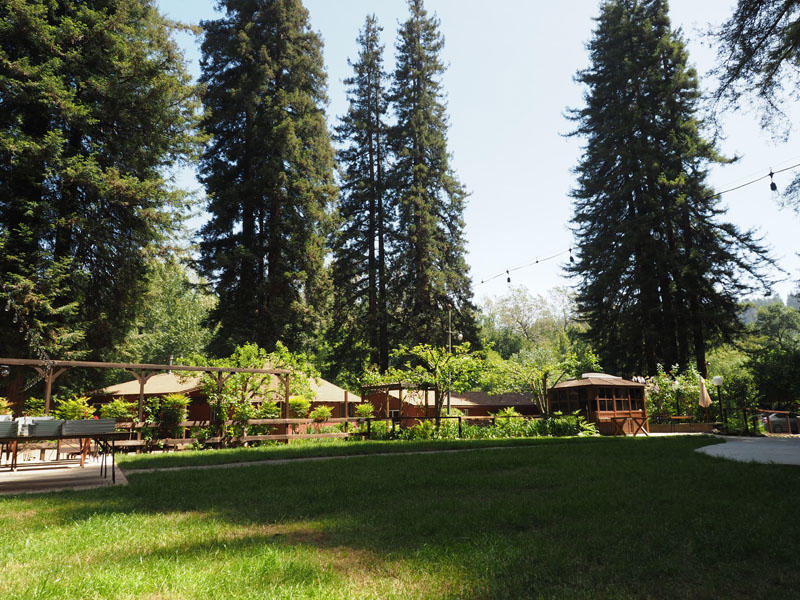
x,y
268,410
5,406
73,408
424,430
379,430
299,407
321,413
509,423
200,435
165,413
33,407
364,410
118,409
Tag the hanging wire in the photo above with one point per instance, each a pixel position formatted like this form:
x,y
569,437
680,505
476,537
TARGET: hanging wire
x,y
773,186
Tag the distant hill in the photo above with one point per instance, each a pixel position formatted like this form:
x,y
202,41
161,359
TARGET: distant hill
x,y
750,306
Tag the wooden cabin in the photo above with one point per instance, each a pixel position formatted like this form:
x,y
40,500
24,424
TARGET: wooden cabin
x,y
325,394
614,404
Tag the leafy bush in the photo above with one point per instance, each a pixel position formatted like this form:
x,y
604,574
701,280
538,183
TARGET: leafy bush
x,y
673,393
164,414
379,430
424,430
33,407
5,406
200,435
508,423
299,407
73,408
321,413
265,410
268,410
117,409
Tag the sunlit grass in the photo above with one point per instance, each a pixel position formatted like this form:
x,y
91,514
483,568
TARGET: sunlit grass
x,y
582,518
306,449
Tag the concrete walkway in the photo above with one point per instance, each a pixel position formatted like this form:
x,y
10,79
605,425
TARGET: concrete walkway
x,y
781,451
39,477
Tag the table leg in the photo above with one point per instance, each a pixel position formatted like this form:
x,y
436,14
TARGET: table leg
x,y
113,464
15,445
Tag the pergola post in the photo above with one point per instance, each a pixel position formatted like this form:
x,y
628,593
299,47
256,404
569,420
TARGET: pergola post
x,y
142,377
220,378
346,411
49,376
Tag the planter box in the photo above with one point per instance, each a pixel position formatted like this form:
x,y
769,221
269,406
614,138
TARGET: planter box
x,y
45,427
88,427
8,428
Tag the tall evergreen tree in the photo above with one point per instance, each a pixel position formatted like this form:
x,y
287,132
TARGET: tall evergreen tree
x,y
95,104
659,272
360,331
429,273
268,172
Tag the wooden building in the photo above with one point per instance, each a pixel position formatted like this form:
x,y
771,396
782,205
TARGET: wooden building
x,y
614,404
325,394
398,400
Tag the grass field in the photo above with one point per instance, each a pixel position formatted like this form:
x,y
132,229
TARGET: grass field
x,y
608,518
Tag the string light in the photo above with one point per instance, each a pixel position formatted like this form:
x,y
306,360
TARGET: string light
x,y
772,186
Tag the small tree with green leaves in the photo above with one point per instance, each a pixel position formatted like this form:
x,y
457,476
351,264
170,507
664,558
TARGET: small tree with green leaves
x,y
537,370
435,368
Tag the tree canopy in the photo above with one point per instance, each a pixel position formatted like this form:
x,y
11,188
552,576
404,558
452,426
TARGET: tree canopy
x,y
360,244
96,106
268,174
429,271
658,271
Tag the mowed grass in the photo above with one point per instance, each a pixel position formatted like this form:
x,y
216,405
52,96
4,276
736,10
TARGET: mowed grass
x,y
584,518
310,449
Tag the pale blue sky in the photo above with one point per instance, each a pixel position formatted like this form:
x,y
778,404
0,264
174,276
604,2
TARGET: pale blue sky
x,y
509,81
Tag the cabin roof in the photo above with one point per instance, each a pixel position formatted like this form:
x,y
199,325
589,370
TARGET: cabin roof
x,y
170,383
597,381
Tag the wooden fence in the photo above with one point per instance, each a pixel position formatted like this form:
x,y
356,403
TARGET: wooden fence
x,y
285,430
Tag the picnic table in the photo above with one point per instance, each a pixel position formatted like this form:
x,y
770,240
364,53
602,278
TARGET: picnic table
x,y
105,442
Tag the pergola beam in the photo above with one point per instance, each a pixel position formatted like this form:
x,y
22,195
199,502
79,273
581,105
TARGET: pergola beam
x,y
30,362
51,369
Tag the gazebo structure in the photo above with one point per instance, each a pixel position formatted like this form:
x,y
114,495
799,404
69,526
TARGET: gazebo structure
x,y
614,404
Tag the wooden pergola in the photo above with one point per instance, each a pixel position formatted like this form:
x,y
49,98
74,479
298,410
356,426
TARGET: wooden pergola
x,y
384,390
50,370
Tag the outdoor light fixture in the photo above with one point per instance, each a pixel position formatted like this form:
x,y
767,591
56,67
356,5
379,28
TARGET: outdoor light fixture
x,y
4,370
717,381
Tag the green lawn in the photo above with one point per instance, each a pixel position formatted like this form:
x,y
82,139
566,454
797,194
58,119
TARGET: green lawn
x,y
308,449
579,518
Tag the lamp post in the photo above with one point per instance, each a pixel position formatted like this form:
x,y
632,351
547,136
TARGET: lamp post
x,y
450,347
717,381
449,350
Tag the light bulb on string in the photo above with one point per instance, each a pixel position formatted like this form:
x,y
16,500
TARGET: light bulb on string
x,y
772,185
571,259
